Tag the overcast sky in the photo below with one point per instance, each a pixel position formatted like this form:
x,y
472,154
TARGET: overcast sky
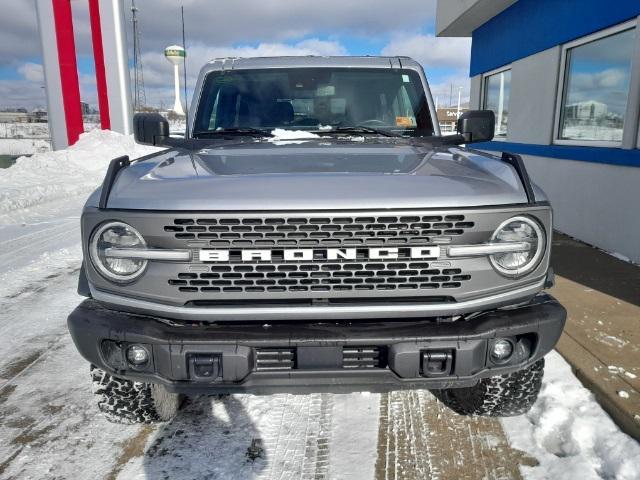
x,y
238,28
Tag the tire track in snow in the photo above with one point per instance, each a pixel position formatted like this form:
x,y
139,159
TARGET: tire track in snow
x,y
420,438
298,438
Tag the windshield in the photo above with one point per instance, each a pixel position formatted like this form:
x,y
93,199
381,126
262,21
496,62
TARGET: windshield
x,y
315,99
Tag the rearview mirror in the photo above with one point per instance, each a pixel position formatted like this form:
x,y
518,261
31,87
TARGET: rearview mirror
x,y
150,128
476,125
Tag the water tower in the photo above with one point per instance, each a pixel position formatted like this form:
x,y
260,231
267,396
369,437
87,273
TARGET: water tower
x,y
175,54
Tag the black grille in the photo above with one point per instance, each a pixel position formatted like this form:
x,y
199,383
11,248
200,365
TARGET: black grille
x,y
282,359
363,357
292,232
275,359
319,277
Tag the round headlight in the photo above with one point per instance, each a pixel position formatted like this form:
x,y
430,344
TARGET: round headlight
x,y
115,235
520,230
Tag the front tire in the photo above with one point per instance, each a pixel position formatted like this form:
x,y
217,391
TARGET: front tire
x,y
500,396
129,402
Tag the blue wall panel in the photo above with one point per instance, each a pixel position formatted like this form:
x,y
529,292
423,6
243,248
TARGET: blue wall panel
x,y
610,156
531,26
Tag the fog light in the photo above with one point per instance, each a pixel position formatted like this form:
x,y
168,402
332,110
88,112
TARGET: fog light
x,y
501,350
137,355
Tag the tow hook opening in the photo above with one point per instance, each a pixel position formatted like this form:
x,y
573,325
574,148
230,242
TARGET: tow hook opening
x,y
205,367
436,363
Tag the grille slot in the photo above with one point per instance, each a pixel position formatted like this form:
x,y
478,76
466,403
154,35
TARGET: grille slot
x,y
347,231
275,359
363,357
320,277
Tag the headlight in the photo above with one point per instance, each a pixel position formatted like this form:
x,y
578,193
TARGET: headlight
x,y
114,235
524,230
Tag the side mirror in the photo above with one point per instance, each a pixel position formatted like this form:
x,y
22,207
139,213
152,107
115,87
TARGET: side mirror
x,y
150,128
477,125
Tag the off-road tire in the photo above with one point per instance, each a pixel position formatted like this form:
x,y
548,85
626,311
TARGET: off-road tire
x,y
501,396
129,402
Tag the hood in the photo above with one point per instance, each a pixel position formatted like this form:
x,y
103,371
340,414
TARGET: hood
x,y
325,174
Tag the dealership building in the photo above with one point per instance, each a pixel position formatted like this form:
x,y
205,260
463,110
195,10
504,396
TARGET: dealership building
x,y
563,78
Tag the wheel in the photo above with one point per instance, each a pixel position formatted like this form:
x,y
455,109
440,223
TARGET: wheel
x,y
126,401
501,396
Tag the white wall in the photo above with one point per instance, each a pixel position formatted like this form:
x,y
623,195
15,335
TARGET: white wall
x,y
532,100
476,85
594,202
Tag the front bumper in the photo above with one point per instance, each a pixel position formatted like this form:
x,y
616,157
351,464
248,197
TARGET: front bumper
x,y
337,357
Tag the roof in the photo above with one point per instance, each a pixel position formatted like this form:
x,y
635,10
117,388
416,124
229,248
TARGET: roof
x,y
312,61
459,18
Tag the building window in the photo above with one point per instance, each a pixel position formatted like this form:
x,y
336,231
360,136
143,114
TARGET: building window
x,y
597,72
497,86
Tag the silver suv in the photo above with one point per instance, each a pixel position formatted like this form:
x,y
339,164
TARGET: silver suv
x,y
314,231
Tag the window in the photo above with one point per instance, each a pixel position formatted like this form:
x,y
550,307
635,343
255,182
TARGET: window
x,y
593,102
496,97
311,98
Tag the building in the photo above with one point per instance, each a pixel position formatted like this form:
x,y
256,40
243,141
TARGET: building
x,y
563,78
447,118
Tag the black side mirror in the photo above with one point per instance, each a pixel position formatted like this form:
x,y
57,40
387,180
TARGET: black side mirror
x,y
150,128
477,125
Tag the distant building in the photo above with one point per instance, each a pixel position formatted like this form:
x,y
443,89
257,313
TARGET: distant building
x,y
15,117
39,115
447,118
589,110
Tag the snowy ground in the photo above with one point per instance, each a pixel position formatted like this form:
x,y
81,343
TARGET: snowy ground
x,y
50,429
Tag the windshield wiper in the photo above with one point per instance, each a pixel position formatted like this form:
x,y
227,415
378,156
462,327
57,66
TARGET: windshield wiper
x,y
359,129
254,132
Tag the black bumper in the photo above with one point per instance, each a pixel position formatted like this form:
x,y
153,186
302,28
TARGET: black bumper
x,y
312,357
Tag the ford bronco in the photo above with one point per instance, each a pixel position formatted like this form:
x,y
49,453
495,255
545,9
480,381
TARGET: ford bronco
x,y
314,232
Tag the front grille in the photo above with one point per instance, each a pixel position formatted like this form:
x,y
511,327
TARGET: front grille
x,y
292,232
319,277
363,357
275,359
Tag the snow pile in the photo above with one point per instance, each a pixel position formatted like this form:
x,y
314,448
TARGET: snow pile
x,y
76,171
570,434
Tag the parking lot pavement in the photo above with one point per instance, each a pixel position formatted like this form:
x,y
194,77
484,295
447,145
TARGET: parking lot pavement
x,y
601,339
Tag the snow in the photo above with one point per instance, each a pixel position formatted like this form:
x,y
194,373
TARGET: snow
x,y
569,433
49,427
23,146
282,136
73,172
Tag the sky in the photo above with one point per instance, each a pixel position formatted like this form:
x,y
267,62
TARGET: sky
x,y
237,28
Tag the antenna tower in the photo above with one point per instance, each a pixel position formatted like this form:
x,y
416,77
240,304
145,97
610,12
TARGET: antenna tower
x,y
139,96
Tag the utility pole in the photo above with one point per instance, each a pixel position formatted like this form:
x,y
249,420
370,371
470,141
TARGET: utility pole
x,y
139,96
